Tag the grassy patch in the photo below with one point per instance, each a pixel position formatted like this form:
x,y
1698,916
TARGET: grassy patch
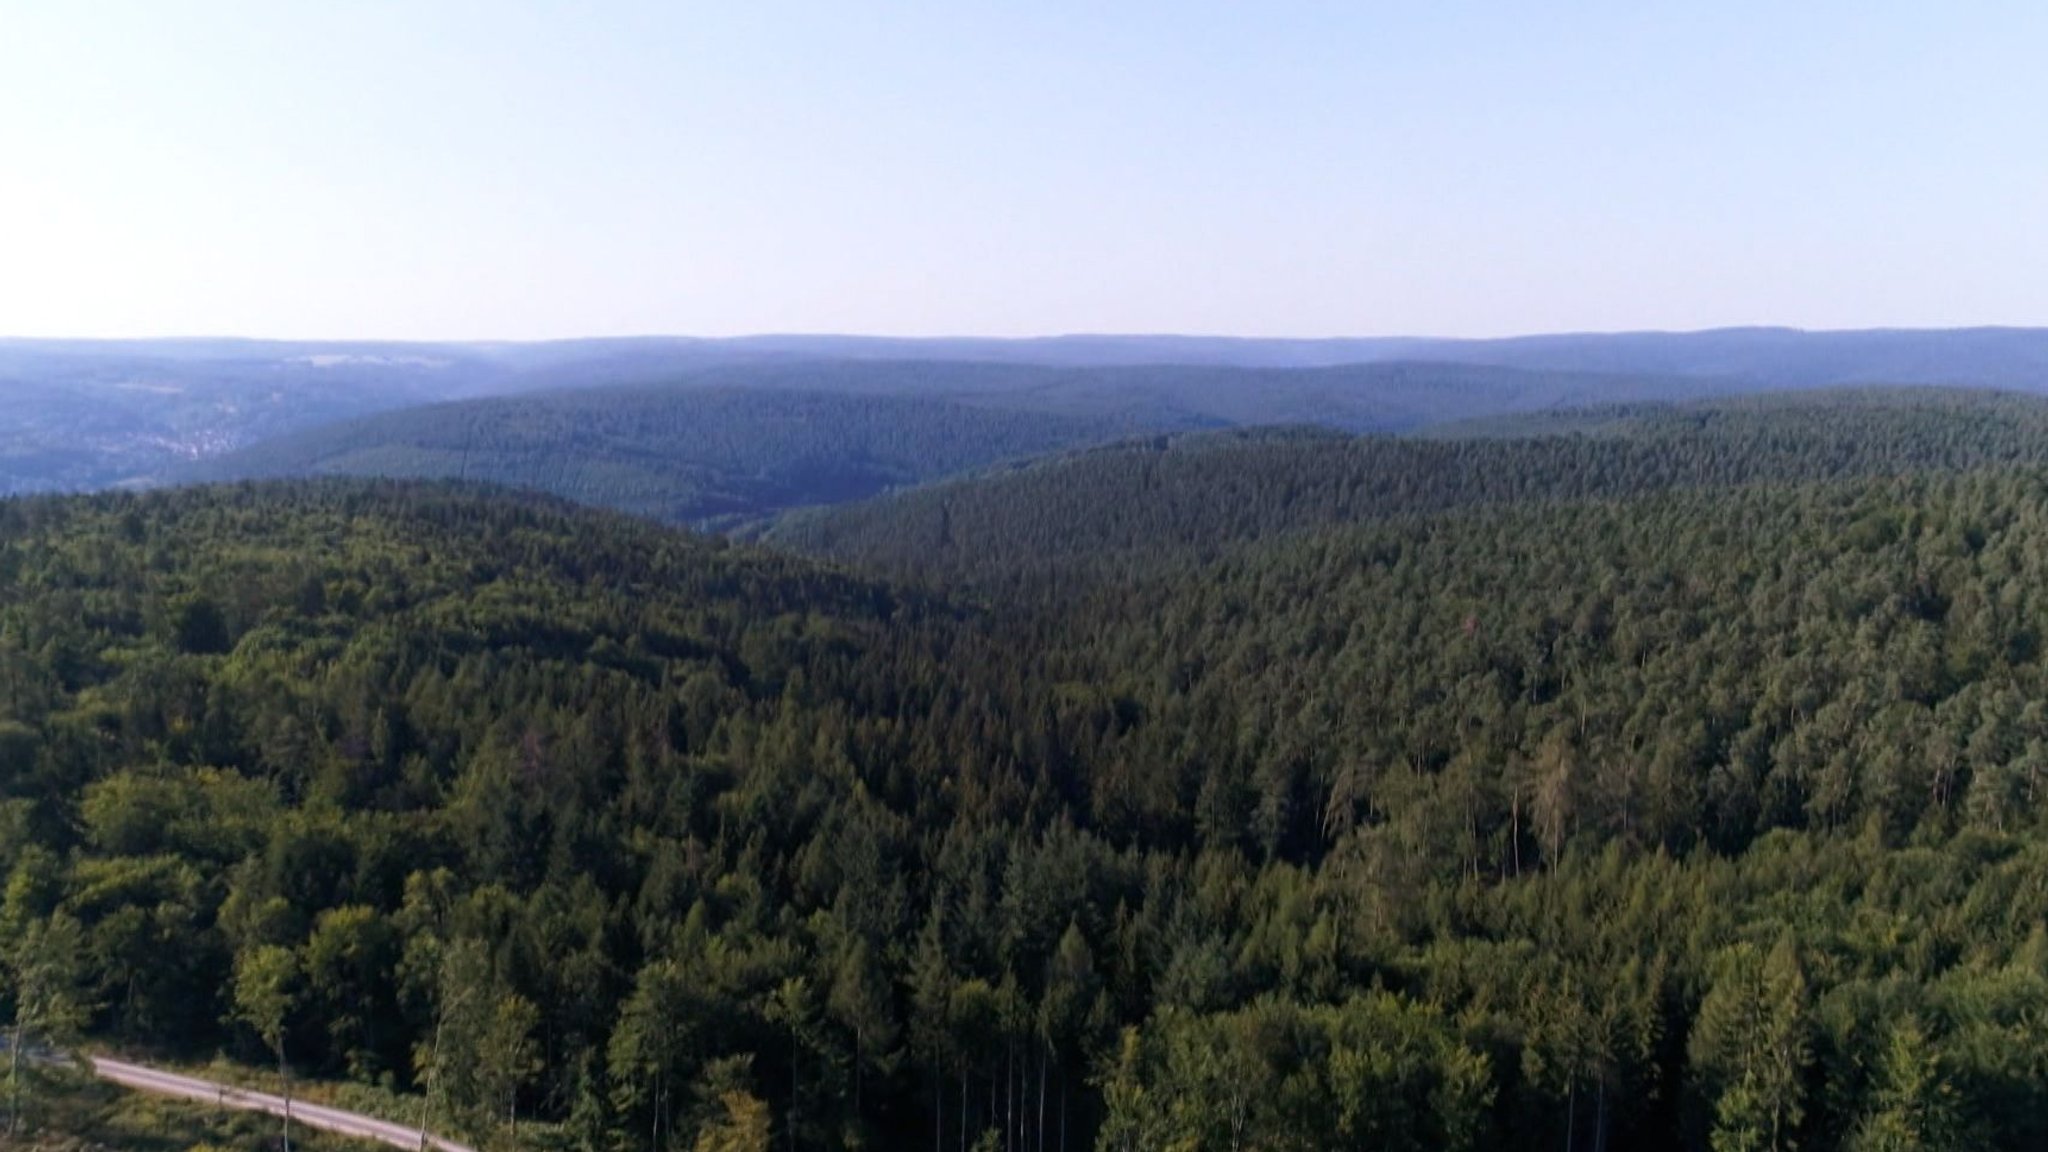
x,y
402,1108
76,1114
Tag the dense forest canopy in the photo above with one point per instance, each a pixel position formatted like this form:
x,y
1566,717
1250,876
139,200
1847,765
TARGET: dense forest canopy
x,y
1161,500
733,445
1642,814
709,455
89,414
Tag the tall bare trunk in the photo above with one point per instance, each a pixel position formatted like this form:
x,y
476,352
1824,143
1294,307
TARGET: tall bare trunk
x,y
14,1080
1571,1114
1063,1108
285,1072
1041,1100
427,1093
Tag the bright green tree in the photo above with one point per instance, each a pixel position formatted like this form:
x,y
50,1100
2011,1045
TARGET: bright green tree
x,y
266,994
49,1010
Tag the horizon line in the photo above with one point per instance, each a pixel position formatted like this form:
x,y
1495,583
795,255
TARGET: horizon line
x,y
1041,338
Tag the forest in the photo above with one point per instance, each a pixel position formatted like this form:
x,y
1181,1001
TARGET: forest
x,y
731,447
1165,498
1670,780
709,456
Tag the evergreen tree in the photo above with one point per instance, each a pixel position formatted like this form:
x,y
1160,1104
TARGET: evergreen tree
x,y
1912,1105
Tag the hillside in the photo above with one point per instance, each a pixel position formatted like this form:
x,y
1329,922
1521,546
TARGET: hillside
x,y
730,444
662,836
706,455
1199,494
89,414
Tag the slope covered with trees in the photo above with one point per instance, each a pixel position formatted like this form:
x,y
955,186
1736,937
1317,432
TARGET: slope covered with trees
x,y
726,444
1165,499
710,455
1698,819
95,413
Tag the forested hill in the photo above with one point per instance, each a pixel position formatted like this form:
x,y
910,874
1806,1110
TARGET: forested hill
x,y
1696,820
1198,494
726,444
699,455
1935,419
85,414
1389,396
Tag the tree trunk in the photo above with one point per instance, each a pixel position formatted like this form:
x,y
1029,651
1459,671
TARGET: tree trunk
x,y
1571,1114
1041,1100
1600,1121
1515,828
1063,1108
427,1089
286,1073
14,1078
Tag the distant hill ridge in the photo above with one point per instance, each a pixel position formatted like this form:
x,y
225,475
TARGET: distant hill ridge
x,y
725,445
1172,498
87,414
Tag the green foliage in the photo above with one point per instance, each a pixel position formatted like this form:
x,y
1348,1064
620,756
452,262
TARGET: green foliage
x,y
266,992
1370,1073
1750,1048
690,454
49,1010
1161,501
1696,819
1914,1107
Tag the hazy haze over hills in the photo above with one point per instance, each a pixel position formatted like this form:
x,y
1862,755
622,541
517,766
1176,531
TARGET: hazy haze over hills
x,y
92,413
721,445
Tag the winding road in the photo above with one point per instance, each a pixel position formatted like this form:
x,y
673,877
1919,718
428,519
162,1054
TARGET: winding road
x,y
145,1079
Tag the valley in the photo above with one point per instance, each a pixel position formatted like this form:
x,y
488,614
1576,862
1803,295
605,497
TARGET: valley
x,y
1650,776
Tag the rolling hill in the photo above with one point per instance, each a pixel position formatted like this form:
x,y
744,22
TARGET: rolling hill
x,y
735,443
708,456
87,414
1173,497
1457,830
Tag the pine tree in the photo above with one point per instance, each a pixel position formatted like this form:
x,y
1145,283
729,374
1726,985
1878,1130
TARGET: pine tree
x,y
1751,1046
1913,1108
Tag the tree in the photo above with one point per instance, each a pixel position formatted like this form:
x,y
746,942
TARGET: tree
x,y
1751,1046
733,1119
266,993
349,962
1128,1123
1070,1006
931,1040
792,1007
1913,1108
507,1057
860,1003
49,1011
649,1047
480,1051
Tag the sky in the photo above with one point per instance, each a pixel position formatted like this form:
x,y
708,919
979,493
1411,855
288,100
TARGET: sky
x,y
439,169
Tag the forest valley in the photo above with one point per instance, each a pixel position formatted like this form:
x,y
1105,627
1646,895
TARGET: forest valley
x,y
1678,785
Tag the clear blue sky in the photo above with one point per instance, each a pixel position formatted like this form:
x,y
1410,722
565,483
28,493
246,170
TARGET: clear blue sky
x,y
428,169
